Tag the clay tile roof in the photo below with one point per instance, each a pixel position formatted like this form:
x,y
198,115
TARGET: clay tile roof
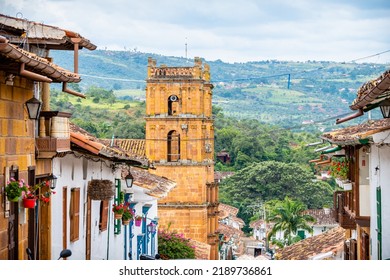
x,y
36,63
229,231
83,139
322,217
372,91
202,250
18,30
133,146
358,133
130,147
259,223
329,241
226,210
157,186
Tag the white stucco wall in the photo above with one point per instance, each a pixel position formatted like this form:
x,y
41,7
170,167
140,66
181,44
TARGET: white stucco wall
x,y
105,244
380,177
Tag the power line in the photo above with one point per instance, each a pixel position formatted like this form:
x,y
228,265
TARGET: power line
x,y
312,123
377,54
110,78
247,78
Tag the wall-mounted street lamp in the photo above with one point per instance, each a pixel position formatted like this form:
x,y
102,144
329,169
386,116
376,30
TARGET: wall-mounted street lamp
x,y
129,180
53,179
385,108
33,108
152,227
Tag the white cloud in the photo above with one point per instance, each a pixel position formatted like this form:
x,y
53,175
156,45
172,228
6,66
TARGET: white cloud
x,y
233,31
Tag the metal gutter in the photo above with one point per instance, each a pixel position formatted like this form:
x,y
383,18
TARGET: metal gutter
x,y
357,114
53,72
371,94
332,150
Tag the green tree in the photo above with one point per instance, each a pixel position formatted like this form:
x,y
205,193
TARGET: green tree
x,y
287,216
274,180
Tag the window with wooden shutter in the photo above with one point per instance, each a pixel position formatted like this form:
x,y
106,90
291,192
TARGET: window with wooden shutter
x,y
103,215
74,214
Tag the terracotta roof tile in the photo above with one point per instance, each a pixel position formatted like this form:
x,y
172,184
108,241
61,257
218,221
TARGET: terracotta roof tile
x,y
90,143
229,231
357,133
323,217
157,186
226,210
329,241
370,91
202,250
16,29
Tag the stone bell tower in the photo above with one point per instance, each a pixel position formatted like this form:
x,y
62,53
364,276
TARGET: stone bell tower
x,y
180,145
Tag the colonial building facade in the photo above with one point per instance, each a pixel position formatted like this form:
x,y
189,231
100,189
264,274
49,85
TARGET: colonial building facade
x,y
180,145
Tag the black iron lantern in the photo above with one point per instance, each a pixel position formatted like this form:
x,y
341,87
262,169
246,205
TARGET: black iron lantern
x,y
385,108
152,227
53,179
129,180
33,108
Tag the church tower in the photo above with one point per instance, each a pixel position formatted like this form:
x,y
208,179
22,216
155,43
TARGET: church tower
x,y
180,145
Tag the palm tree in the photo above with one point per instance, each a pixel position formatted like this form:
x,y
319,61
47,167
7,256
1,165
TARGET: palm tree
x,y
287,216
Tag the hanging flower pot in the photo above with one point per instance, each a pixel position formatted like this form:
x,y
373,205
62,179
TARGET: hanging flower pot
x,y
118,216
15,199
29,202
347,186
138,221
125,222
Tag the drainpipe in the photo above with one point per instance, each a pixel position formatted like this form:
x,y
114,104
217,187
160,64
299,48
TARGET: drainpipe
x,y
68,90
324,162
33,76
76,42
357,114
46,93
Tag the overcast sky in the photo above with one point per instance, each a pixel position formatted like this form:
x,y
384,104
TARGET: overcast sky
x,y
233,31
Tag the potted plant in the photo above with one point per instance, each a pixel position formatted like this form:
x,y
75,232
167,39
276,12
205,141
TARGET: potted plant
x,y
46,194
138,220
15,189
118,210
127,215
339,168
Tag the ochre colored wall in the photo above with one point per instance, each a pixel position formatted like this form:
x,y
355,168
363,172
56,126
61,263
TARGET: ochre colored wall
x,y
187,209
17,147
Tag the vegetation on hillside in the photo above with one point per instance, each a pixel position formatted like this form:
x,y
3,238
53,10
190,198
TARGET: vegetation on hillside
x,y
300,95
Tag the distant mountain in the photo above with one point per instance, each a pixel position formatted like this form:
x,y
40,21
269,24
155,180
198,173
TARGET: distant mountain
x,y
307,95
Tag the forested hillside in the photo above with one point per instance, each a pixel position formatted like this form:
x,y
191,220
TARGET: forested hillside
x,y
301,95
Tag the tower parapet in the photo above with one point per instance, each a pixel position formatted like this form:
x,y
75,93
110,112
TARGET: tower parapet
x,y
195,72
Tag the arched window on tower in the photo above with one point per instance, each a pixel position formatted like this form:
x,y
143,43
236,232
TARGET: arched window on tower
x,y
173,105
173,146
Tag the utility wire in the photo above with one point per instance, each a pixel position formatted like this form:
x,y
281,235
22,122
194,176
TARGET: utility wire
x,y
110,78
312,123
377,54
243,79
